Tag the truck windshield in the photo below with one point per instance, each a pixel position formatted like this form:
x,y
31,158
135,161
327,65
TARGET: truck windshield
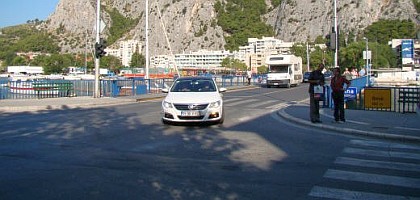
x,y
278,69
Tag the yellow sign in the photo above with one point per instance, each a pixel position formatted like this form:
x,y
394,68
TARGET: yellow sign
x,y
378,98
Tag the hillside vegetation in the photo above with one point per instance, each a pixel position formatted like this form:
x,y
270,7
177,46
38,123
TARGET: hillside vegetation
x,y
240,20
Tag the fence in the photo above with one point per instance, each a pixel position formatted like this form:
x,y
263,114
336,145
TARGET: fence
x,y
380,98
393,99
109,88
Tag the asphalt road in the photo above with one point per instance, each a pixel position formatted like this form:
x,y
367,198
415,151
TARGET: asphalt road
x,y
125,152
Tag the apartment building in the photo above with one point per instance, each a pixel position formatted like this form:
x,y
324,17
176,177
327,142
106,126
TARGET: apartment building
x,y
125,51
257,50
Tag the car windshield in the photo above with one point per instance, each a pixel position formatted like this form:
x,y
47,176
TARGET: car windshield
x,y
193,85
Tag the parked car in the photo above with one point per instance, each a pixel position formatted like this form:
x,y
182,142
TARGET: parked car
x,y
193,99
306,76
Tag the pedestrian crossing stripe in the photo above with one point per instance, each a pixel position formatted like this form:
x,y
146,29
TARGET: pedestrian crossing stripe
x,y
387,145
379,153
333,193
378,164
373,178
269,102
352,168
242,102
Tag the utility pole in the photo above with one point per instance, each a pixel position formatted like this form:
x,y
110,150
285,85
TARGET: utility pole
x,y
336,36
367,61
147,40
307,56
97,93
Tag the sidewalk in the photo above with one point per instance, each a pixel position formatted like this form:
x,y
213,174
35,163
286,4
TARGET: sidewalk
x,y
21,105
379,124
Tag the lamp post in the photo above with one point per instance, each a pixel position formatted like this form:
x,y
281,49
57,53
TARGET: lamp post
x,y
97,93
336,36
367,60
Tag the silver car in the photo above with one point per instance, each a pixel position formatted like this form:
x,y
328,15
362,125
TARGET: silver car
x,y
193,99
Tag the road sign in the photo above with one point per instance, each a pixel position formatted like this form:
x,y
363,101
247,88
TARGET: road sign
x,y
351,93
377,98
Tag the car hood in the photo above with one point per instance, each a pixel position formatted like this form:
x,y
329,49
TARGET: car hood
x,y
193,97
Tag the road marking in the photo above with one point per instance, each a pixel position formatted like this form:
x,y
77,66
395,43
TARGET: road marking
x,y
254,105
332,193
373,178
277,106
386,145
408,128
377,164
231,99
387,154
242,102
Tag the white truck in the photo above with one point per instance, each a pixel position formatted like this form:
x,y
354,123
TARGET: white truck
x,y
284,70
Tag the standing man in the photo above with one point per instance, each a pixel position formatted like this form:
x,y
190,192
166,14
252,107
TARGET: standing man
x,y
249,76
337,86
316,78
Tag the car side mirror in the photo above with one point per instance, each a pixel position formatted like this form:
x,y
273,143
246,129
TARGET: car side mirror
x,y
222,90
165,90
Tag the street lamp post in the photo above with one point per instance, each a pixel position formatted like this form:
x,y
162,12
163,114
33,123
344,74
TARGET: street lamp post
x,y
367,60
97,93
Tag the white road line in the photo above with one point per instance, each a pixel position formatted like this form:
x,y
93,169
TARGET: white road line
x,y
277,106
386,145
378,164
387,154
373,178
231,99
254,105
242,102
408,128
332,193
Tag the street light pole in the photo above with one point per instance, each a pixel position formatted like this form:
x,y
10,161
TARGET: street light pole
x,y
97,93
336,36
367,60
147,40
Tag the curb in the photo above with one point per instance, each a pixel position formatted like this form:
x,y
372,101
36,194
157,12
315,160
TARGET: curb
x,y
388,136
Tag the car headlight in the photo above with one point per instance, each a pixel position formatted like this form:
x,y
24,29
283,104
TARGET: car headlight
x,y
166,104
215,104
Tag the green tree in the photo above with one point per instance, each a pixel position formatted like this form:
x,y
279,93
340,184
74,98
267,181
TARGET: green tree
x,y
19,60
384,31
111,62
240,20
262,69
138,60
56,64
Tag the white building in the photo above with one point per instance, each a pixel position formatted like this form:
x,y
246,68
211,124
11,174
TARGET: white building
x,y
254,55
125,51
25,70
257,50
202,59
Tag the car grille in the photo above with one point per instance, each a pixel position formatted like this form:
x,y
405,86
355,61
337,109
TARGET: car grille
x,y
189,107
189,118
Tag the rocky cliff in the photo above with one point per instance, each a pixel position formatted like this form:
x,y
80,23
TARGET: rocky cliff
x,y
177,26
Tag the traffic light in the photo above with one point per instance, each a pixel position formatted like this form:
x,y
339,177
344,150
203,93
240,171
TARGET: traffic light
x,y
333,40
100,48
328,42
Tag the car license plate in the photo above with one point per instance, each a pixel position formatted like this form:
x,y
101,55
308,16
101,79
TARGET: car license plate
x,y
190,113
276,83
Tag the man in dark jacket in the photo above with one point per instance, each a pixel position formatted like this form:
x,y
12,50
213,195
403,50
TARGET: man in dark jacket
x,y
315,79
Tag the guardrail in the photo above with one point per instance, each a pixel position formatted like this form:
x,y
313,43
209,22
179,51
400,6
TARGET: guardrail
x,y
109,88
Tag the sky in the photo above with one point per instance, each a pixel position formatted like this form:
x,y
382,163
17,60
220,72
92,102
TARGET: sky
x,y
14,12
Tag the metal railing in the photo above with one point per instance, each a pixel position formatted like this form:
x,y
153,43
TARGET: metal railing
x,y
33,89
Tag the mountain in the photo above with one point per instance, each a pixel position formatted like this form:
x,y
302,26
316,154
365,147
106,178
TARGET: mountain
x,y
177,26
